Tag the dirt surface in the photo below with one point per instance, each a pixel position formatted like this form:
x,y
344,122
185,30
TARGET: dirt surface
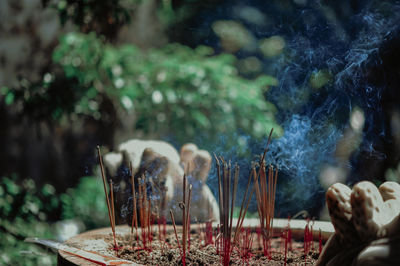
x,y
166,252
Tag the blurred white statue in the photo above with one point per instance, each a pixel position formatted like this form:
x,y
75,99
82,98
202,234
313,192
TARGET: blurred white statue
x,y
163,168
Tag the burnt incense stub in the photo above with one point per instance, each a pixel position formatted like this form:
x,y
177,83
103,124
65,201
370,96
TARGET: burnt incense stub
x,y
367,225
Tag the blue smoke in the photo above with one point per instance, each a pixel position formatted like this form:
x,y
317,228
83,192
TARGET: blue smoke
x,y
299,154
344,39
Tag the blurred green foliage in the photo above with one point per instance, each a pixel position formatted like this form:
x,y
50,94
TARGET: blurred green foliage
x,y
24,210
26,201
170,90
175,87
86,203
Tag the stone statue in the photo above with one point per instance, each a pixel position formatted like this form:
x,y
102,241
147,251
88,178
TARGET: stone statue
x,y
367,225
164,169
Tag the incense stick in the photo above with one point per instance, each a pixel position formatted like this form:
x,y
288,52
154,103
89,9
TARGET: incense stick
x,y
234,192
176,235
134,212
141,210
219,188
112,212
105,186
184,222
149,220
188,208
241,213
266,147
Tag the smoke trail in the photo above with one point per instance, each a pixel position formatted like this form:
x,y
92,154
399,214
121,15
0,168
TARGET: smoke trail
x,y
343,40
299,155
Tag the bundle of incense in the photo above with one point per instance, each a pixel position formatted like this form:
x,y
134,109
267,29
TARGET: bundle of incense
x,y
228,197
87,255
265,195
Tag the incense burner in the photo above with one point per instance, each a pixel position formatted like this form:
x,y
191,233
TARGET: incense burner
x,y
233,238
99,240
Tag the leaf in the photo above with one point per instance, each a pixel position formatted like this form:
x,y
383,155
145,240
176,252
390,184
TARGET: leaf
x,y
201,119
9,99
